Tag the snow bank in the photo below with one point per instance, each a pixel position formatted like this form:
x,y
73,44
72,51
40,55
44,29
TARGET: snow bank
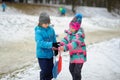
x,y
9,10
99,18
16,27
95,12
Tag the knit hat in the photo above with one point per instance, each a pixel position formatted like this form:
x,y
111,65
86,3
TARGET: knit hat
x,y
76,21
44,18
77,18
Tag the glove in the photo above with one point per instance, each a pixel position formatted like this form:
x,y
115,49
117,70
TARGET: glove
x,y
56,45
55,52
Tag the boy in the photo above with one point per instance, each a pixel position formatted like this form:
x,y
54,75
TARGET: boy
x,y
45,44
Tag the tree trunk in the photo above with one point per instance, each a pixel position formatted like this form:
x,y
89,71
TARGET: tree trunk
x,y
74,4
108,5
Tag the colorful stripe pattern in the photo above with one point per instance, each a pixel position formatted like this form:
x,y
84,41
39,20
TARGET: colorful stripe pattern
x,y
74,43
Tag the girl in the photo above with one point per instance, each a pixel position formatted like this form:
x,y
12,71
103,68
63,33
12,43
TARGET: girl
x,y
74,43
3,6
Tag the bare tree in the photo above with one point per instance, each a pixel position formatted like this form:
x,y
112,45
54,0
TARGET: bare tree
x,y
74,5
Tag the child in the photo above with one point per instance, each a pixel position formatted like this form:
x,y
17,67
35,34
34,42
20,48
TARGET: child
x,y
3,6
62,11
45,44
74,43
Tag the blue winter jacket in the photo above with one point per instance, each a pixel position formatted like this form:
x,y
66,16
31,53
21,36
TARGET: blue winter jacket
x,y
44,38
3,5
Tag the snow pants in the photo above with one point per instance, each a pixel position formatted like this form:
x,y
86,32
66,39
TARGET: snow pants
x,y
46,66
3,9
75,70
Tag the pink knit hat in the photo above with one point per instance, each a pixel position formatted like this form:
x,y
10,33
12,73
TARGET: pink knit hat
x,y
75,25
76,22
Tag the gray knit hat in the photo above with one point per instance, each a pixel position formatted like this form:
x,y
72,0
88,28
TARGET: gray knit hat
x,y
44,18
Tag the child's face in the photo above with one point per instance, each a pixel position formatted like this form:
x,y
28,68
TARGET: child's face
x,y
72,30
45,25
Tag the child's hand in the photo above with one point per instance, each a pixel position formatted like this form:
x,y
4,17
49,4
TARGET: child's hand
x,y
56,45
54,48
55,51
61,48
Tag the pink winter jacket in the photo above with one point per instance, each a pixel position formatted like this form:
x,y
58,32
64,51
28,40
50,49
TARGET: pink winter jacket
x,y
74,43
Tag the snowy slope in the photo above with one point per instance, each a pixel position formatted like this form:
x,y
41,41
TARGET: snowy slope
x,y
99,17
9,10
102,64
95,12
16,27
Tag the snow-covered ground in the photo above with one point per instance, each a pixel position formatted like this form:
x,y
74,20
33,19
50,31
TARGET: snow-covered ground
x,y
102,64
103,58
99,17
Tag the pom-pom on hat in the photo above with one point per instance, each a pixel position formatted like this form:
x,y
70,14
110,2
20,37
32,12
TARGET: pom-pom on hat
x,y
77,18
